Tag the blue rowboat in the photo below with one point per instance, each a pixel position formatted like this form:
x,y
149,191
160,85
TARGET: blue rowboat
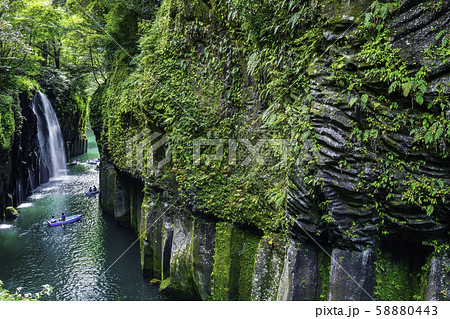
x,y
68,220
92,193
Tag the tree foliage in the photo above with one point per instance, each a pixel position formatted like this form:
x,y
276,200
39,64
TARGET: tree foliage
x,y
6,295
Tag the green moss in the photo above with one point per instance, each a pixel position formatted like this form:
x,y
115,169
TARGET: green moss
x,y
177,85
324,274
157,262
244,245
222,262
247,264
146,258
397,278
182,279
336,9
7,122
267,289
392,278
10,213
236,247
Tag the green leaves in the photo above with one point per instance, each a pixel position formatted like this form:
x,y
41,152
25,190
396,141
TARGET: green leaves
x,y
406,88
7,122
364,99
429,209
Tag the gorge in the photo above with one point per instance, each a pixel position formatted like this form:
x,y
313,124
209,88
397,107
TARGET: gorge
x,y
263,150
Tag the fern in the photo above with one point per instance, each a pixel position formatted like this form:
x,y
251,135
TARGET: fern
x,y
406,86
253,62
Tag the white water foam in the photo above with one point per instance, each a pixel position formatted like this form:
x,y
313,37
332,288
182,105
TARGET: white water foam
x,y
25,205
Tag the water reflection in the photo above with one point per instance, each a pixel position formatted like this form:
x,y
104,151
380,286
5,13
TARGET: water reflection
x,y
73,258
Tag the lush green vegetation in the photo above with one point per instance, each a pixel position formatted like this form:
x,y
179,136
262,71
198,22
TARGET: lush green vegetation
x,y
6,295
51,47
196,77
190,80
193,70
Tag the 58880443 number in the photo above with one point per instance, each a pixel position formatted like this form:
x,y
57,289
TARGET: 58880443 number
x,y
406,310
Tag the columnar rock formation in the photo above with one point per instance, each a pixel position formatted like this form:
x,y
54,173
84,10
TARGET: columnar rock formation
x,y
366,100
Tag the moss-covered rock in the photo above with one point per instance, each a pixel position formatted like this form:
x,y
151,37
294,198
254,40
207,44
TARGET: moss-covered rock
x,y
7,122
438,284
182,280
107,188
222,262
366,105
10,213
267,272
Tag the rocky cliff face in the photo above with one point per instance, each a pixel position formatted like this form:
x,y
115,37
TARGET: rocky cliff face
x,y
22,159
362,90
20,164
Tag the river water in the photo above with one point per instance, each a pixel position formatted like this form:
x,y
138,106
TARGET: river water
x,y
72,259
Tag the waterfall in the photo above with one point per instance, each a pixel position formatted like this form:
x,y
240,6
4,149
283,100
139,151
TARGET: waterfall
x,y
51,144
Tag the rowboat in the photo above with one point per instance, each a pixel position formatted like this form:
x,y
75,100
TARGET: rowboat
x,y
92,193
69,219
94,161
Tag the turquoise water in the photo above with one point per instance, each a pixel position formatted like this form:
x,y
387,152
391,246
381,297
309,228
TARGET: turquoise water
x,y
72,259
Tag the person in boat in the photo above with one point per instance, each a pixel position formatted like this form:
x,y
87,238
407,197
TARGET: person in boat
x,y
53,220
90,189
63,217
94,189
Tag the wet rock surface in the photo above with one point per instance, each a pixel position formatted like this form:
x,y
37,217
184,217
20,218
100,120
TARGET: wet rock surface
x,y
300,277
439,278
352,275
19,175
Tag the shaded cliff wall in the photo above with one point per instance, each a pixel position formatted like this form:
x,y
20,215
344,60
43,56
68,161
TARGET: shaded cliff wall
x,y
199,257
20,159
364,96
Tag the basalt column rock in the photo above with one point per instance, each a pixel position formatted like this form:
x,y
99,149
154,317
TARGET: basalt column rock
x,y
300,277
439,278
25,154
267,273
108,177
122,200
357,195
352,275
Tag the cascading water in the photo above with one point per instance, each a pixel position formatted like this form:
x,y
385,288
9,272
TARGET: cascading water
x,y
51,144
